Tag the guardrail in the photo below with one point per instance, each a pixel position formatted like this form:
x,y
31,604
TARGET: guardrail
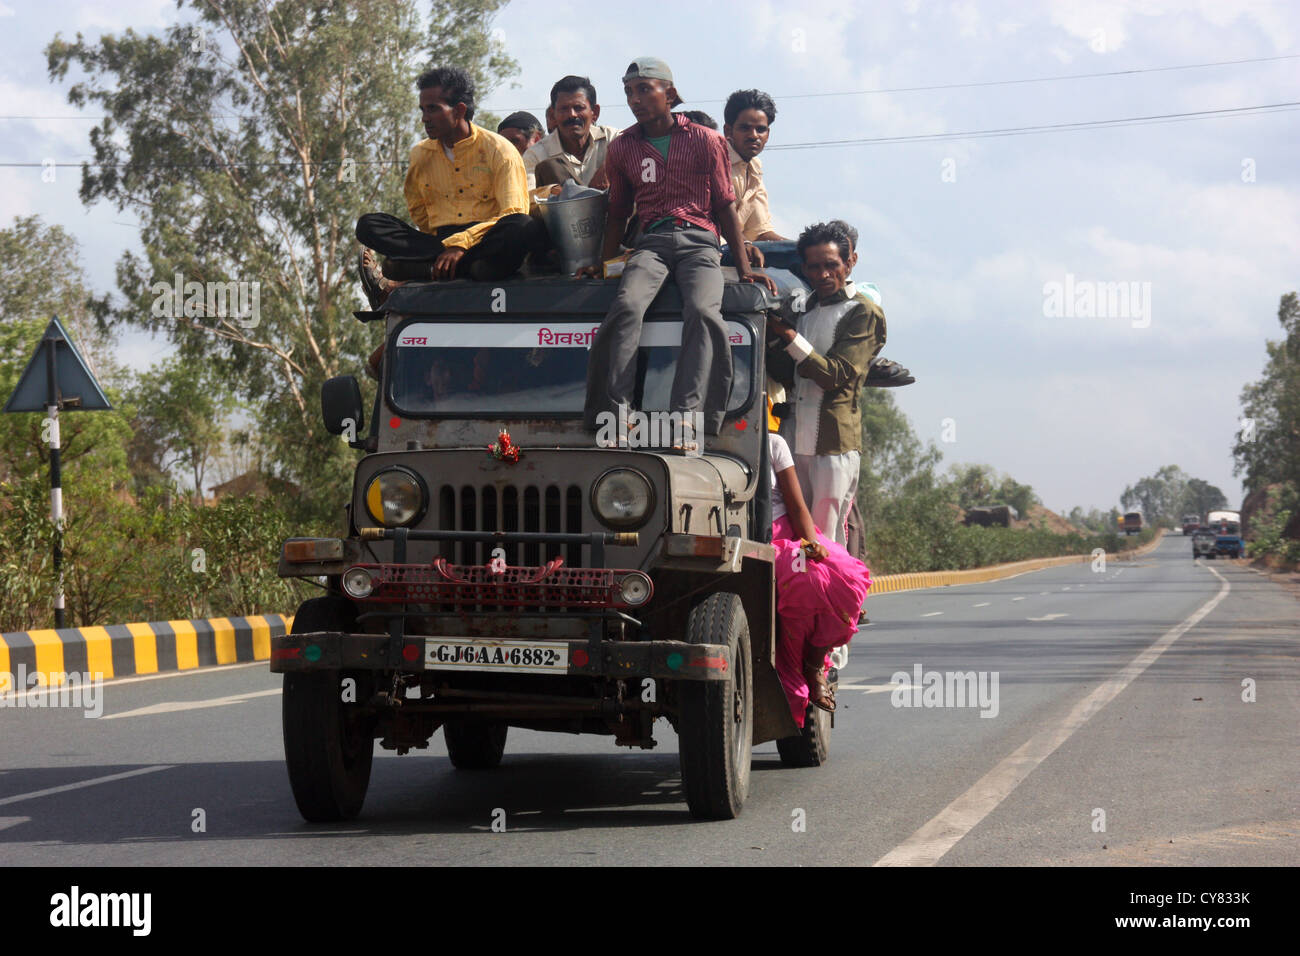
x,y
120,650
918,580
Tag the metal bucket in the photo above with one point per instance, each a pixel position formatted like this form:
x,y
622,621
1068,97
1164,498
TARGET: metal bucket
x,y
577,227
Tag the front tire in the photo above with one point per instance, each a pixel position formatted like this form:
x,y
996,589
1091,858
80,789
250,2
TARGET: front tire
x,y
716,724
329,745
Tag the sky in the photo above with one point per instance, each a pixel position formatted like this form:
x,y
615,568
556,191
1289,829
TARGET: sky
x,y
987,250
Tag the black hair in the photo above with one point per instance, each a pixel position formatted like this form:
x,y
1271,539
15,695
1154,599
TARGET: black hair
x,y
823,232
522,120
848,231
456,85
742,100
700,118
573,84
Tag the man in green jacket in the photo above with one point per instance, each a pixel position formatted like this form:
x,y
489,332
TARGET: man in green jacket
x,y
821,350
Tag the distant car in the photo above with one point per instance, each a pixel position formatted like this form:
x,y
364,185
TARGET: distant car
x,y
1203,543
1191,523
1132,522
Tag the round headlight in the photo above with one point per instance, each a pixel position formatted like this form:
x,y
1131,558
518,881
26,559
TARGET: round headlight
x,y
622,498
357,582
395,497
635,589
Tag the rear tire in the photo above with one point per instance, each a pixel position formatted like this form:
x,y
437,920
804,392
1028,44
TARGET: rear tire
x,y
716,724
329,745
813,745
475,744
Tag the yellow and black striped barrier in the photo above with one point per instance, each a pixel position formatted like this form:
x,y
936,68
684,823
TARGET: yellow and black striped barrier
x,y
917,580
121,650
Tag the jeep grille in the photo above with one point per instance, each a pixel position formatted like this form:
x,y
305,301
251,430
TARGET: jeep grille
x,y
546,508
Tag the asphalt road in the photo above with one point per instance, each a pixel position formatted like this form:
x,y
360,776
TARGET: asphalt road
x,y
1109,712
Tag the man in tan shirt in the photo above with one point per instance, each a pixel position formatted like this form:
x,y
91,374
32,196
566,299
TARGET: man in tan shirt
x,y
576,148
747,119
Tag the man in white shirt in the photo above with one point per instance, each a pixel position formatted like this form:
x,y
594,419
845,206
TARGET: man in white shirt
x,y
576,148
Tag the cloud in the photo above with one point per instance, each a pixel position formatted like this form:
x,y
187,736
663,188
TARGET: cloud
x,y
57,135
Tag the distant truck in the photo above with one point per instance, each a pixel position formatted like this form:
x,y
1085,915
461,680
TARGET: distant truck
x,y
1191,523
1132,522
1226,526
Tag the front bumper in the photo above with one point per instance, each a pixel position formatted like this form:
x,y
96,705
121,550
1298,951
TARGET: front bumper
x,y
329,651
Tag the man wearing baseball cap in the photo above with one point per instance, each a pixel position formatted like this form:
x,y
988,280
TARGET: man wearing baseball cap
x,y
678,174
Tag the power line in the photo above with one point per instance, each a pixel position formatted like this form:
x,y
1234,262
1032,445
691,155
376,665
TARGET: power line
x,y
894,89
1011,82
1152,120
1052,127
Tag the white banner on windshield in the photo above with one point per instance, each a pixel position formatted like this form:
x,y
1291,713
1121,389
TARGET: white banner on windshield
x,y
528,335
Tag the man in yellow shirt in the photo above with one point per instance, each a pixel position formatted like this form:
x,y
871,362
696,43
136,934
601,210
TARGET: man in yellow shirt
x,y
467,194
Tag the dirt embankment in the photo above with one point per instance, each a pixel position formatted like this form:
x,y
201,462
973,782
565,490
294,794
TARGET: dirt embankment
x,y
1055,523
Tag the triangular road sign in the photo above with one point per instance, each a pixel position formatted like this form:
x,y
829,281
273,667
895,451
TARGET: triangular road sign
x,y
76,388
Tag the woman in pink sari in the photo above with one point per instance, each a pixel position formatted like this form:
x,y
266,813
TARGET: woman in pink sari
x,y
820,588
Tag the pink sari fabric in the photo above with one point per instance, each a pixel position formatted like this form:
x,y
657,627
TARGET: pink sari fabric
x,y
808,603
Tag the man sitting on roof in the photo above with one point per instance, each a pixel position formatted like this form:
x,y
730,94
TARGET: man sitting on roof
x,y
467,194
676,174
577,147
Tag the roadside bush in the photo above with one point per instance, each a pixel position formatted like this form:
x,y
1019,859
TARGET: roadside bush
x,y
921,535
1268,529
162,557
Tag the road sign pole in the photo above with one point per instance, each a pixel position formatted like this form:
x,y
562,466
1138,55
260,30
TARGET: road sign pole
x,y
31,394
56,474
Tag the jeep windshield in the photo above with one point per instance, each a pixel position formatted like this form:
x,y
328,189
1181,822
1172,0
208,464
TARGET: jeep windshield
x,y
474,368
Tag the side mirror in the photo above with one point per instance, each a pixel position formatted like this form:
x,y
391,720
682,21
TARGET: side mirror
x,y
340,405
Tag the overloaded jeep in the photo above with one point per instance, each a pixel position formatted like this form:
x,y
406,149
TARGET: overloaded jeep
x,y
503,566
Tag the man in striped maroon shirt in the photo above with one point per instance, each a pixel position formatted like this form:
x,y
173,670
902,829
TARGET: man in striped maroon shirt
x,y
679,176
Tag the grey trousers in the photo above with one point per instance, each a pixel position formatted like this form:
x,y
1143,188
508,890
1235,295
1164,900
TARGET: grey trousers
x,y
702,382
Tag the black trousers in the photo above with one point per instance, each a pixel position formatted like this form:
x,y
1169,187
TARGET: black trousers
x,y
410,252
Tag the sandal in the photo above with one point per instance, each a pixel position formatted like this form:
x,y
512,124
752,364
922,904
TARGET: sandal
x,y
820,693
373,282
882,373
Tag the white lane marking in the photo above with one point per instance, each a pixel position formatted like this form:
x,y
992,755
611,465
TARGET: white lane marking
x,y
171,706
982,604
1046,617
1066,588
85,783
873,688
928,845
7,822
1041,593
1020,598
116,681
932,614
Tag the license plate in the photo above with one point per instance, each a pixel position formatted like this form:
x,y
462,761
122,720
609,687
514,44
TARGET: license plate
x,y
511,657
